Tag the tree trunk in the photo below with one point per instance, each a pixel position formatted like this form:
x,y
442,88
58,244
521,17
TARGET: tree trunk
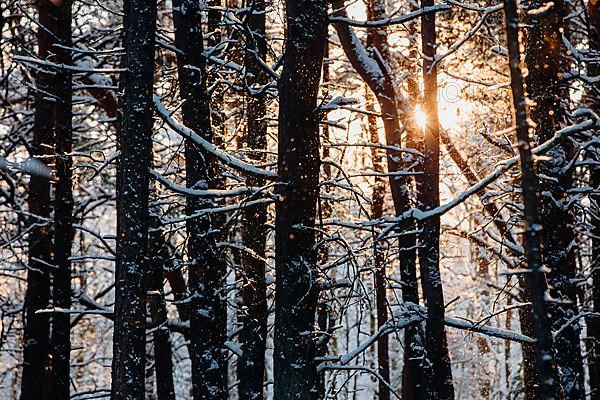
x,y
593,323
163,353
253,292
208,320
36,379
436,344
537,279
63,208
298,171
129,340
377,38
544,60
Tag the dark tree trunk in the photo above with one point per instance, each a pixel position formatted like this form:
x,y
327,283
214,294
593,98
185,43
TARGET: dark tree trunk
x,y
36,378
544,59
436,346
208,320
253,292
378,196
63,209
414,370
377,38
593,323
298,171
537,279
129,341
163,354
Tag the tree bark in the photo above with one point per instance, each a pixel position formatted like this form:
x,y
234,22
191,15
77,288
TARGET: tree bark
x,y
298,172
544,60
36,378
163,353
593,323
377,39
208,319
63,208
537,279
253,292
428,195
129,340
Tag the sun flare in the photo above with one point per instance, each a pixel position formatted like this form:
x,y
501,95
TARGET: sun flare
x,y
420,117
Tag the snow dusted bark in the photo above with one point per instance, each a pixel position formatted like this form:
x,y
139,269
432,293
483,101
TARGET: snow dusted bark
x,y
208,322
159,261
298,171
593,323
440,385
253,314
129,340
36,378
63,206
537,279
543,58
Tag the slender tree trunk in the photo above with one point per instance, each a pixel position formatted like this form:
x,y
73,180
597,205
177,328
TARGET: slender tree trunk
x,y
253,314
129,340
593,323
298,169
36,379
436,344
163,353
377,38
63,209
414,371
544,60
378,195
208,320
537,278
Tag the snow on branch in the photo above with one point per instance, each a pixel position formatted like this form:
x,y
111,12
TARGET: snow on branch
x,y
180,189
226,158
390,20
74,68
409,314
421,215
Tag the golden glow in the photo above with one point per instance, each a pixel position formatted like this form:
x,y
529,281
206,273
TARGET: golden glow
x,y
455,115
420,117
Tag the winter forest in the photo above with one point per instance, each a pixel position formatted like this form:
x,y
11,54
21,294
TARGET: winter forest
x,y
300,199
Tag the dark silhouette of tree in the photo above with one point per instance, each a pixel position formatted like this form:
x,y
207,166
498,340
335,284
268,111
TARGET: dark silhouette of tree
x,y
298,175
129,339
593,323
206,271
63,207
253,292
428,196
544,60
36,378
529,184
